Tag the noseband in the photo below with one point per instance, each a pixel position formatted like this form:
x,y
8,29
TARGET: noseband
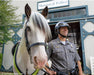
x,y
34,44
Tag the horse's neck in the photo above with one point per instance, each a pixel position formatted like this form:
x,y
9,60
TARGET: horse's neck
x,y
23,59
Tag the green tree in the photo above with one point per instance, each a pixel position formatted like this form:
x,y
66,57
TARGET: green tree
x,y
7,18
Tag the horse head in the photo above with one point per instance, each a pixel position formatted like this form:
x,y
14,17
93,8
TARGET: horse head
x,y
36,33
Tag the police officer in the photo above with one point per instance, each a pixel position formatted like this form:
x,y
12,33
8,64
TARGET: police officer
x,y
63,53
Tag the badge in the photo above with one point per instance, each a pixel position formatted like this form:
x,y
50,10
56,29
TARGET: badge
x,y
71,46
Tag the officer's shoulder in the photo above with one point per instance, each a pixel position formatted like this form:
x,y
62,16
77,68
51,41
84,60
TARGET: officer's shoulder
x,y
72,44
53,41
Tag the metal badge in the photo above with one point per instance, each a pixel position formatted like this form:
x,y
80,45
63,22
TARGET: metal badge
x,y
57,46
71,46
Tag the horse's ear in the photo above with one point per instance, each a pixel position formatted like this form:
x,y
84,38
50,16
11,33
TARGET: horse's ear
x,y
27,11
45,11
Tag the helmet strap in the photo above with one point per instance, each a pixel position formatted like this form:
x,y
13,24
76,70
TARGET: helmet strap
x,y
62,35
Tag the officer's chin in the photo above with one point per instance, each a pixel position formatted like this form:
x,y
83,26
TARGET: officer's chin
x,y
65,35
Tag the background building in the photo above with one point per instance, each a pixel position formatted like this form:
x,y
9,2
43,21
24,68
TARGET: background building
x,y
78,13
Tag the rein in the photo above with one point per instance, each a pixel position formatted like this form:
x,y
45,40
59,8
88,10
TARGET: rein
x,y
28,49
17,67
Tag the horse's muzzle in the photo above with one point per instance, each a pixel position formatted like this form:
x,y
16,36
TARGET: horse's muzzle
x,y
40,63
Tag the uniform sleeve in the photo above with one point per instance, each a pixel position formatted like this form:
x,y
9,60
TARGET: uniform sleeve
x,y
49,50
77,57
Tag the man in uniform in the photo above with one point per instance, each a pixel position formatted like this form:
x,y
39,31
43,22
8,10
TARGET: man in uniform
x,y
63,53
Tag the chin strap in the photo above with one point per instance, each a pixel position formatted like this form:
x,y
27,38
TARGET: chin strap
x,y
62,35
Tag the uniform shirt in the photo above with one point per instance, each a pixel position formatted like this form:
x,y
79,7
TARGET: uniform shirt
x,y
63,57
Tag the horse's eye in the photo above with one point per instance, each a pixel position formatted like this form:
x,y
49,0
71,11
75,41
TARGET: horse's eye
x,y
28,28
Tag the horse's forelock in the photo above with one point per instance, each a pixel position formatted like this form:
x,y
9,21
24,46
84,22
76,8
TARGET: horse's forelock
x,y
40,22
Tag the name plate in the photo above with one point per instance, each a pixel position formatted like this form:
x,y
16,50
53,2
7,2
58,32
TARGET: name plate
x,y
52,4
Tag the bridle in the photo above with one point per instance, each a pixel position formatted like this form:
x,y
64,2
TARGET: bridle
x,y
17,67
34,44
28,49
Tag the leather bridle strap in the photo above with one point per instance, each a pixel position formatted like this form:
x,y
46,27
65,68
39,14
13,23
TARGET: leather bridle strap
x,y
27,43
34,44
38,43
16,65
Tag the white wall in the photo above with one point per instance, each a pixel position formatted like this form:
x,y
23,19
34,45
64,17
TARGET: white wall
x,y
33,4
21,4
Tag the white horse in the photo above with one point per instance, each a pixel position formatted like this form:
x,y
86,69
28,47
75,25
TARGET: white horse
x,y
30,53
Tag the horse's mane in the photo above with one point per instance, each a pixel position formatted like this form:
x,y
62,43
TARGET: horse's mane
x,y
40,22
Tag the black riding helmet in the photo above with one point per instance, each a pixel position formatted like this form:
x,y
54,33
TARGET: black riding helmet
x,y
61,24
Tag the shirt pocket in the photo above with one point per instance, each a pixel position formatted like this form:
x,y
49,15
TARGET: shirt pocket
x,y
59,54
71,53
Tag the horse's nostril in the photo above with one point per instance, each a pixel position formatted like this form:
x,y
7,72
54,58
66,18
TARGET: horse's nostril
x,y
35,59
40,62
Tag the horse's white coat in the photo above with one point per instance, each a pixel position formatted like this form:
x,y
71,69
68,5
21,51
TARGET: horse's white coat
x,y
24,60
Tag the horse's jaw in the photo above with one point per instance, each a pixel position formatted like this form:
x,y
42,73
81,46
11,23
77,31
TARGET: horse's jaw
x,y
24,63
39,57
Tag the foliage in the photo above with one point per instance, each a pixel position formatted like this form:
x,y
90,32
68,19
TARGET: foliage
x,y
7,18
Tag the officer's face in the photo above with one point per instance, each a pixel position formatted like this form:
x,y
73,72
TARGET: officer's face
x,y
64,31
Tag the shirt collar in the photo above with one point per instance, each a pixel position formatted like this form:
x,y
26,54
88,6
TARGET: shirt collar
x,y
58,41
